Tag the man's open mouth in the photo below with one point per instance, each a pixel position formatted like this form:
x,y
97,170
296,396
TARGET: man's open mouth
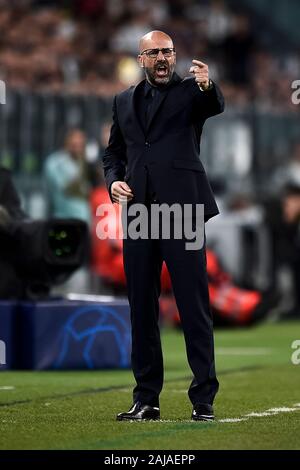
x,y
162,71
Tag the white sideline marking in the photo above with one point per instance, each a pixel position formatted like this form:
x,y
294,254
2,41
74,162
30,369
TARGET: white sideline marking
x,y
231,420
243,351
269,412
272,411
7,387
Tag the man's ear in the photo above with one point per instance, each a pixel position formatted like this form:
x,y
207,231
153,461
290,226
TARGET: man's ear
x,y
140,61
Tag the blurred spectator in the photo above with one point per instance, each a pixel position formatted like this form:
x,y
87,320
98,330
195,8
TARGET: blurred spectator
x,y
288,173
238,47
128,35
282,217
67,178
291,205
104,135
95,147
219,22
291,217
71,174
94,151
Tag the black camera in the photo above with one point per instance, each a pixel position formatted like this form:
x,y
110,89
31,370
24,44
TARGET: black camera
x,y
36,255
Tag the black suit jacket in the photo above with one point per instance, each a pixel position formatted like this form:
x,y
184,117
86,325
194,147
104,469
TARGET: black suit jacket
x,y
168,148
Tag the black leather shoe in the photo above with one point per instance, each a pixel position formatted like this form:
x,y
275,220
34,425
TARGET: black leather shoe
x,y
139,412
203,412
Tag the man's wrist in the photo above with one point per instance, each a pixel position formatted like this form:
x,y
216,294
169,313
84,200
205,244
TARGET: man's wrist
x,y
207,87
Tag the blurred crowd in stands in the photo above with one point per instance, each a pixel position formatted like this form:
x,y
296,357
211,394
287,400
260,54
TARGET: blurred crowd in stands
x,y
90,46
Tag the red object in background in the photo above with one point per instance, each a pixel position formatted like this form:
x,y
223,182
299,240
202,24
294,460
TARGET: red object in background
x,y
228,301
232,304
107,255
229,304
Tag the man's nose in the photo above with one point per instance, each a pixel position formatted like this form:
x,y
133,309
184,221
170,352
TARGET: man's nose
x,y
160,56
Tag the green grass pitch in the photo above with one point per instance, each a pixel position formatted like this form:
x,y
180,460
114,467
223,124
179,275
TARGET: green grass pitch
x,y
76,410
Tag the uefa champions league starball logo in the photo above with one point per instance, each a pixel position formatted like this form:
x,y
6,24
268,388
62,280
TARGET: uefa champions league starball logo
x,y
87,328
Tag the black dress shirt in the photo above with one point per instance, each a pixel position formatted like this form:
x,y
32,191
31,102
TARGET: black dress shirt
x,y
145,103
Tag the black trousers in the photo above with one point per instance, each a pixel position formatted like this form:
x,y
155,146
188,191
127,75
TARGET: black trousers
x,y
143,260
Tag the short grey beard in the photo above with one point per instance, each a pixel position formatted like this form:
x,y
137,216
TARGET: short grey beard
x,y
160,81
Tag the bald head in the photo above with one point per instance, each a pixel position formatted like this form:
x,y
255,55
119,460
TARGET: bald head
x,y
157,57
155,39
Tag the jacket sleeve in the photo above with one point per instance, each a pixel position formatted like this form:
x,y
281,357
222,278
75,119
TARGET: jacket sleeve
x,y
207,103
114,157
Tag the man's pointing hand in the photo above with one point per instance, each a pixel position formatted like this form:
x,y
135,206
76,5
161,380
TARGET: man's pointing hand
x,y
200,71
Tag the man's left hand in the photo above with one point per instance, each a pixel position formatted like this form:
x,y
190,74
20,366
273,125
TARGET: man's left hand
x,y
200,71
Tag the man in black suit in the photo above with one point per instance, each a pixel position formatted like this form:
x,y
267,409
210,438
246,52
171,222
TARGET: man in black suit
x,y
153,158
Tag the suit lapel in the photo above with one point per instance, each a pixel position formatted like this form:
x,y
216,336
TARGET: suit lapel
x,y
133,108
